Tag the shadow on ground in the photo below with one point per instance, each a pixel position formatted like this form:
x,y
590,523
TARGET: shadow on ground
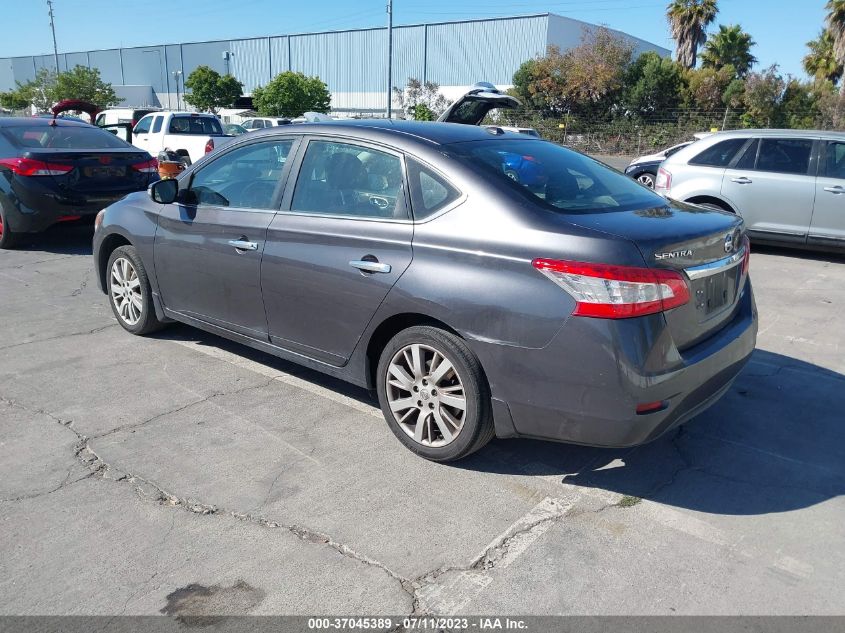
x,y
774,443
61,239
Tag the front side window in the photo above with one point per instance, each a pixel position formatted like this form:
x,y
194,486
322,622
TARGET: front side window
x,y
245,178
556,176
345,179
784,155
143,126
835,161
720,154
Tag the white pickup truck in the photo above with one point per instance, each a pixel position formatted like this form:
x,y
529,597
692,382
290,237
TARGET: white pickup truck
x,y
189,134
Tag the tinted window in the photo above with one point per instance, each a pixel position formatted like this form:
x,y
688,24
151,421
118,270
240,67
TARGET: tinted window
x,y
62,137
559,177
194,125
429,191
143,126
749,156
245,177
835,161
345,179
157,124
784,155
720,154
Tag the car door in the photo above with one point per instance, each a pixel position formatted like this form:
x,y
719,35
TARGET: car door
x,y
828,224
209,243
141,135
771,184
341,241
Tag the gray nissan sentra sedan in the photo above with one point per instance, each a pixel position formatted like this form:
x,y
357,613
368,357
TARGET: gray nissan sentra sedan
x,y
569,304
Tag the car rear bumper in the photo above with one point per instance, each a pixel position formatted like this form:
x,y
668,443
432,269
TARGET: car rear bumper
x,y
584,387
35,208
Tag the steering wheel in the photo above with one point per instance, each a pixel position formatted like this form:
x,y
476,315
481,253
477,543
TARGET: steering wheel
x,y
256,194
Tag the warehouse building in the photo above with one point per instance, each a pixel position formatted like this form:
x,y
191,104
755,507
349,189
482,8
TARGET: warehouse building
x,y
353,63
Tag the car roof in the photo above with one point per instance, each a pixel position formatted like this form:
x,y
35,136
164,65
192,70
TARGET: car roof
x,y
426,131
776,132
42,121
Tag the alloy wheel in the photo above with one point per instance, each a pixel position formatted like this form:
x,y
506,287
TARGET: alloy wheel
x,y
126,291
426,395
646,179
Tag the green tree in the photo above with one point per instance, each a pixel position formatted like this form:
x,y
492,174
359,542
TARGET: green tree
x,y
688,22
836,28
40,91
85,84
13,100
416,93
707,88
820,62
763,97
730,46
799,106
210,91
423,113
291,94
653,85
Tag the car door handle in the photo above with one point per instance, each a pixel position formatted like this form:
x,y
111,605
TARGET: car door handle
x,y
742,180
370,267
835,189
244,244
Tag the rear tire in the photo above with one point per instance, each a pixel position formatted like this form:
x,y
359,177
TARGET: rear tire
x,y
129,291
647,178
434,395
8,238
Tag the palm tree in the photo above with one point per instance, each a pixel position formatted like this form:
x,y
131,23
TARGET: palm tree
x,y
836,28
688,20
730,46
820,62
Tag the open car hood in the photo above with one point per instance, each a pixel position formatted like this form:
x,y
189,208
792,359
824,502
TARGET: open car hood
x,y
472,107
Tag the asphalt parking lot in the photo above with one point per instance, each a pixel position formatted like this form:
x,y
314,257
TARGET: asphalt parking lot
x,y
187,474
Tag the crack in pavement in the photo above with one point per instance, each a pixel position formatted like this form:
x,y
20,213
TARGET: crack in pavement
x,y
502,551
61,336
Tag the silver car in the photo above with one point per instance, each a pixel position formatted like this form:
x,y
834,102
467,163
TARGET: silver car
x,y
787,185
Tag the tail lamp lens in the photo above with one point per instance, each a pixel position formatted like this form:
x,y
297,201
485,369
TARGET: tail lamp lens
x,y
30,167
147,167
663,181
209,146
616,292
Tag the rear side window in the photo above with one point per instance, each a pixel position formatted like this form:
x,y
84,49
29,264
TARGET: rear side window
x,y
194,125
157,124
429,191
784,155
720,154
62,137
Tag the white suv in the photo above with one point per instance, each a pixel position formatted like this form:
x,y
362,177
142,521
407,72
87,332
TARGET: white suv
x,y
788,185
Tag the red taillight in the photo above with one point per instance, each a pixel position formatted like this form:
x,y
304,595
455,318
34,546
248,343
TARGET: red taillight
x,y
651,407
746,259
616,292
663,182
209,146
29,167
147,167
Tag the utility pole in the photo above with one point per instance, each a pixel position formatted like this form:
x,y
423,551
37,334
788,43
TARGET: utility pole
x,y
53,28
389,57
176,74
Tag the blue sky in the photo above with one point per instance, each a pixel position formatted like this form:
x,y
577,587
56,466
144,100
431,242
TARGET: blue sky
x,y
780,27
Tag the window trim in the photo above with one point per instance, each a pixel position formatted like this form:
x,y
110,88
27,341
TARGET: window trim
x,y
446,208
386,149
280,190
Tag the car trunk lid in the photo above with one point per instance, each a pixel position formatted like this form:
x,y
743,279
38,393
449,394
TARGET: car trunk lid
x,y
707,246
471,108
97,172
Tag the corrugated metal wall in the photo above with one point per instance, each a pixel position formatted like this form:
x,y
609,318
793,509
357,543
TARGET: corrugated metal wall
x,y
352,63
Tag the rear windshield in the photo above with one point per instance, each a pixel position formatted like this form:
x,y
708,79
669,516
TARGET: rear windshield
x,y
62,137
556,176
195,125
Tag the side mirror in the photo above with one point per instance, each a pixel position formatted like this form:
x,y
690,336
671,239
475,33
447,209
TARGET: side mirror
x,y
164,191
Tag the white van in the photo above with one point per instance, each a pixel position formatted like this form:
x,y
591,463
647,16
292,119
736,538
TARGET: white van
x,y
114,116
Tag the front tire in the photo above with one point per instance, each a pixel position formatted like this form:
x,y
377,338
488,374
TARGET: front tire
x,y
434,395
130,294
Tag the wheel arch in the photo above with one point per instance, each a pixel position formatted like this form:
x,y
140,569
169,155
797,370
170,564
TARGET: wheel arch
x,y
708,199
389,328
107,247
